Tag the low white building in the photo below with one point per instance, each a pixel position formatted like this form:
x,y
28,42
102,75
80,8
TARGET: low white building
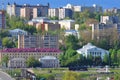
x,y
72,32
16,32
67,24
90,49
49,62
17,63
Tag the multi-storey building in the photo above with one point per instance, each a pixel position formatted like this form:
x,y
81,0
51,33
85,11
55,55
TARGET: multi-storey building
x,y
14,54
27,11
2,20
53,12
65,13
43,41
13,9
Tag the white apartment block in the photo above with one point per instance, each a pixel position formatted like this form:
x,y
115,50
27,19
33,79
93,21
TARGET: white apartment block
x,y
53,12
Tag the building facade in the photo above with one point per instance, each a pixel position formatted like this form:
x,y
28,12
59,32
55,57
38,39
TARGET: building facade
x,y
49,62
66,24
65,13
90,49
43,41
18,57
2,19
13,9
53,12
27,11
17,63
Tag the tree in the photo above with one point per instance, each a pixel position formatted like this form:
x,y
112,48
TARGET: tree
x,y
6,42
32,62
5,60
106,59
113,56
71,42
118,57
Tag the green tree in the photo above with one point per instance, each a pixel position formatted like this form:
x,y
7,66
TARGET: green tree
x,y
6,42
71,42
106,59
113,57
5,60
118,56
32,62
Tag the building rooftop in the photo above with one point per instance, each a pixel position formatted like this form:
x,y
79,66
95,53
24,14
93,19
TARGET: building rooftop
x,y
30,50
89,46
72,31
48,57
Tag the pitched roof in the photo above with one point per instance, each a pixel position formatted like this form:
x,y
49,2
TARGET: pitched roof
x,y
30,50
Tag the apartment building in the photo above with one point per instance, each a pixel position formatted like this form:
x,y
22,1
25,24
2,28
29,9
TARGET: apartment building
x,y
22,54
53,12
40,41
27,11
2,19
13,9
65,13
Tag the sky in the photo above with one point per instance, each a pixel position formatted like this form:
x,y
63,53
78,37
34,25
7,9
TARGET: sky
x,y
60,3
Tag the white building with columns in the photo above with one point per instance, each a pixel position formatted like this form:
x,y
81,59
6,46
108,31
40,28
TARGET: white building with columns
x,y
90,49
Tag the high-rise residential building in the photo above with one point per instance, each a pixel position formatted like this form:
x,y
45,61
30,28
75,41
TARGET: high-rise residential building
x,y
34,11
41,41
65,13
27,11
13,9
2,20
53,12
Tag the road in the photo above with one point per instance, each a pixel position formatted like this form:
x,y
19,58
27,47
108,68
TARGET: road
x,y
4,76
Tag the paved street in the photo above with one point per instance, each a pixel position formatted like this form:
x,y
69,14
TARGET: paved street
x,y
4,76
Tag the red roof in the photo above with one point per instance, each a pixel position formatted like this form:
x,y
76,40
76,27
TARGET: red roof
x,y
30,50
